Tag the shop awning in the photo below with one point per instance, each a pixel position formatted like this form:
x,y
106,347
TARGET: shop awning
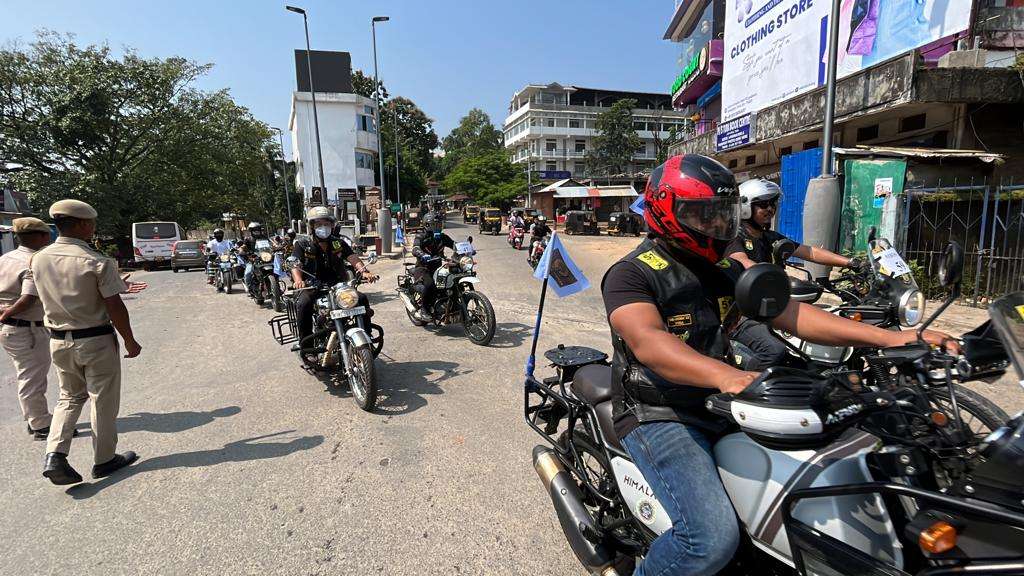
x,y
596,192
561,184
901,152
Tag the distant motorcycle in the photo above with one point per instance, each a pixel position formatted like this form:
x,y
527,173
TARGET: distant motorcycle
x,y
457,301
225,271
265,283
536,251
515,237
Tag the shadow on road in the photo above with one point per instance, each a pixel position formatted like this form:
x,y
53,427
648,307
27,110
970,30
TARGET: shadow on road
x,y
245,450
510,335
405,385
171,422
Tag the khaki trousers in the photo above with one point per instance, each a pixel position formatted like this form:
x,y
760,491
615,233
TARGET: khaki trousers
x,y
29,349
88,369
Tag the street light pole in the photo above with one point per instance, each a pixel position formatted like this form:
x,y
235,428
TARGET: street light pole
x,y
312,92
284,175
398,171
376,109
830,89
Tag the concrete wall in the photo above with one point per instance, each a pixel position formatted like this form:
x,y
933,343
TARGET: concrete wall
x,y
339,140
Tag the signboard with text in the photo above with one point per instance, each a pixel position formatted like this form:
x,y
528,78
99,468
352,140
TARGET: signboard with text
x,y
776,49
735,133
554,174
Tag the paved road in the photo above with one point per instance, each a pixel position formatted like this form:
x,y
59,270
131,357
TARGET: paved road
x,y
250,465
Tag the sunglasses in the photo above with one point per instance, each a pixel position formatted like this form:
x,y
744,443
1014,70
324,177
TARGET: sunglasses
x,y
765,204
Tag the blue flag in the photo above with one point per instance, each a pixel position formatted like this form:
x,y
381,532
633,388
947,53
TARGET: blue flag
x,y
638,205
564,277
278,269
399,235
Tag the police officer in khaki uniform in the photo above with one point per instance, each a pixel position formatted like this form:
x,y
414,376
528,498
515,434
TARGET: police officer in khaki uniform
x,y
22,334
80,291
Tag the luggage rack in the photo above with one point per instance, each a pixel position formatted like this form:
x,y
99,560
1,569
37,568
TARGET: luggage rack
x,y
285,327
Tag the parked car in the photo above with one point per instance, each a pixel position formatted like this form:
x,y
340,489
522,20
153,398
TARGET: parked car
x,y
187,254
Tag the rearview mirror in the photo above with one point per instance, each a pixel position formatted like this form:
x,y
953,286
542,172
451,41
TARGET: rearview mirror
x,y
762,292
469,239
872,234
782,250
951,267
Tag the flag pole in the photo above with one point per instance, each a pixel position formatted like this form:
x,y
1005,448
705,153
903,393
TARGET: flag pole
x,y
531,362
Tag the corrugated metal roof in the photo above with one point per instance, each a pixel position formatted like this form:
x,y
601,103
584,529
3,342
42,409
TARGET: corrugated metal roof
x,y
596,192
901,152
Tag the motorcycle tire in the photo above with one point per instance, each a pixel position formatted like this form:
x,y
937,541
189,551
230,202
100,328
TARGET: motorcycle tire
x,y
363,381
227,284
275,295
412,315
483,335
978,413
592,457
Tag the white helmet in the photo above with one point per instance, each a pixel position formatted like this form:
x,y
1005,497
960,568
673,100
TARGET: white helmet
x,y
758,190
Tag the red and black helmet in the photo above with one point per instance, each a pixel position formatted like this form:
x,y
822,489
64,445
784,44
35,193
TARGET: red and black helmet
x,y
693,203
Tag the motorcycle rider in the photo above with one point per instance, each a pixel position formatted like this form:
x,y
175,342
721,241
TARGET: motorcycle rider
x,y
539,229
247,250
759,201
429,252
215,247
668,303
516,220
287,242
323,256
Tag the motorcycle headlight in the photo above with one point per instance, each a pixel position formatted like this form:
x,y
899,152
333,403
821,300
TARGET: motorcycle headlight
x,y
225,258
466,262
266,256
911,308
346,297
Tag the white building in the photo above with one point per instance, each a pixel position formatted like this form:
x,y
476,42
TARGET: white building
x,y
551,126
348,139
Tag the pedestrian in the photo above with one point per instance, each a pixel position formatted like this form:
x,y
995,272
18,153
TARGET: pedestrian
x,y
22,334
80,292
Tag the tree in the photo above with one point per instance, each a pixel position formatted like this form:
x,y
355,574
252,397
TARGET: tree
x,y
416,141
474,136
131,136
364,86
489,179
616,141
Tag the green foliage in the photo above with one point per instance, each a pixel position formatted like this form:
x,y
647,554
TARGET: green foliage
x,y
616,140
489,179
131,136
417,141
474,136
364,86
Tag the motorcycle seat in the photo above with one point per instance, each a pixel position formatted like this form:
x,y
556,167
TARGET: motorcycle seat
x,y
804,291
593,383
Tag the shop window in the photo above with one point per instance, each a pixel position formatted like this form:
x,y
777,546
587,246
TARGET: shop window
x,y
810,144
749,160
734,163
911,123
785,151
867,133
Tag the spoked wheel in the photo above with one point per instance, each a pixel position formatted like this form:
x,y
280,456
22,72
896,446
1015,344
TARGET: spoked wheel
x,y
594,462
980,416
479,318
412,315
363,380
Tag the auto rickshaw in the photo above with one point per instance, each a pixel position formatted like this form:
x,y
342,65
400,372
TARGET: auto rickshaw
x,y
413,221
580,222
470,214
623,223
490,221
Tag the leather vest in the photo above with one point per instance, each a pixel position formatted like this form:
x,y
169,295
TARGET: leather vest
x,y
692,313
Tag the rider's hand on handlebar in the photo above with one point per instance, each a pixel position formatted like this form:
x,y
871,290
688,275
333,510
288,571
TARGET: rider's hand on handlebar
x,y
739,382
369,276
299,284
935,338
859,264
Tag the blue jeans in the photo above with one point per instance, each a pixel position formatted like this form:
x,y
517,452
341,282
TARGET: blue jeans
x,y
677,462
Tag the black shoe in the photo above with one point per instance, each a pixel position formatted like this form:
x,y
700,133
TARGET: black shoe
x,y
114,464
57,469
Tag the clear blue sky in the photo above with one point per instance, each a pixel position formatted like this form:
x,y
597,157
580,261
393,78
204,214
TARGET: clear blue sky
x,y
448,56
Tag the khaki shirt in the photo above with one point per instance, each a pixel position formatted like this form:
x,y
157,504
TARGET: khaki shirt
x,y
16,281
73,280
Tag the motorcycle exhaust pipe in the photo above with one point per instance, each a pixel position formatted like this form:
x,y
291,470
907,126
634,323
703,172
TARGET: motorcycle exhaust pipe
x,y
572,514
409,305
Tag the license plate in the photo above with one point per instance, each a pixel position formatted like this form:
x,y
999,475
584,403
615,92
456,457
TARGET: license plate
x,y
159,258
357,311
186,253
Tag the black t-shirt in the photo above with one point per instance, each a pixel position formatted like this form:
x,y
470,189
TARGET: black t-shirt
x,y
625,284
757,249
541,230
328,267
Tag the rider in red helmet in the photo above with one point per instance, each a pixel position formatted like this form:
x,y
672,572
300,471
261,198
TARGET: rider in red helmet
x,y
669,302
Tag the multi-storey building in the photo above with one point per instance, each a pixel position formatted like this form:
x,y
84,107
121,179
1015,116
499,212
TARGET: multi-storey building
x,y
549,128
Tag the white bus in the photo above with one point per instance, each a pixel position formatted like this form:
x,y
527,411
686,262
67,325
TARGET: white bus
x,y
154,242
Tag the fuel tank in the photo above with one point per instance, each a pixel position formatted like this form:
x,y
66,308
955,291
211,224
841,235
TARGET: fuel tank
x,y
757,479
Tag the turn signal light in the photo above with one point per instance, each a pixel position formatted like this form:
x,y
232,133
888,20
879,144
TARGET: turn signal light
x,y
938,538
856,316
939,419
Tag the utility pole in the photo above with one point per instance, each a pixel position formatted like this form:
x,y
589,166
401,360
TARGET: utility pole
x,y
398,171
830,90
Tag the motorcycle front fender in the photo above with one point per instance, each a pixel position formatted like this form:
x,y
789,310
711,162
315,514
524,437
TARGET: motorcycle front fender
x,y
469,280
358,337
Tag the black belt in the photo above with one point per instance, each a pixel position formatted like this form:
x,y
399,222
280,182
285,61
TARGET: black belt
x,y
83,333
22,323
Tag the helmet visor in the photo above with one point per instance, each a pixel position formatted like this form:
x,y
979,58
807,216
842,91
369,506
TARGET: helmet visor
x,y
717,218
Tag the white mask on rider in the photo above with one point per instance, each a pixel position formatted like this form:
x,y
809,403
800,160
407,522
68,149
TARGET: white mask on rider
x,y
322,232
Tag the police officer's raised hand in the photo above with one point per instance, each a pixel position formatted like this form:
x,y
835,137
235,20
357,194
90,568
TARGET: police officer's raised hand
x,y
132,348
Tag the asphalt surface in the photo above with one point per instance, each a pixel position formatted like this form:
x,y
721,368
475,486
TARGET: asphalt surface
x,y
250,465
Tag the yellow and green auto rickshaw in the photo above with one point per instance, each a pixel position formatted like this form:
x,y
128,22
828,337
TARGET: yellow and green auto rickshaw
x,y
490,221
470,214
624,223
580,222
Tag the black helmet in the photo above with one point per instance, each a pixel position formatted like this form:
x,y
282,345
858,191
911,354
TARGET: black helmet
x,y
218,234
